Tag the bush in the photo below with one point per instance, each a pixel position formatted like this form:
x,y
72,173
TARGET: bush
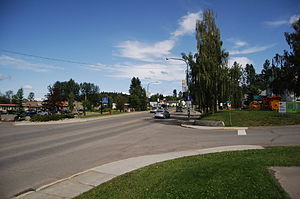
x,y
106,109
55,117
68,115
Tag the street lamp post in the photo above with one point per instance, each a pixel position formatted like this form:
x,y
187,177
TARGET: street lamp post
x,y
187,76
156,82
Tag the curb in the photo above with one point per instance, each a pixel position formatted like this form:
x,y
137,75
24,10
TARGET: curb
x,y
84,181
213,127
74,120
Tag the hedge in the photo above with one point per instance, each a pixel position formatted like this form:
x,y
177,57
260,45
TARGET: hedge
x,y
45,118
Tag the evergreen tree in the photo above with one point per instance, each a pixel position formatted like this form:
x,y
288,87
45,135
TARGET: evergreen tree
x,y
120,101
19,97
251,84
235,74
293,58
31,96
137,98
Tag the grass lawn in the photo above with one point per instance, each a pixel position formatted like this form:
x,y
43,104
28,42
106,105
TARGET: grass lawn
x,y
254,118
99,114
241,174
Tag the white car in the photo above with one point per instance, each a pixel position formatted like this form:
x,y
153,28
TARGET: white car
x,y
42,113
162,114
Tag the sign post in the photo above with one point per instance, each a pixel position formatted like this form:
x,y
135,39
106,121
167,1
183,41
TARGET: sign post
x,y
104,100
188,105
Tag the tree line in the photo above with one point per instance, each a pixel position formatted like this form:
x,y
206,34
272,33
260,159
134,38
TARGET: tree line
x,y
87,93
212,81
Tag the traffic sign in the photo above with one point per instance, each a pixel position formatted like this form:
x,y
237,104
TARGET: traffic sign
x,y
188,98
105,100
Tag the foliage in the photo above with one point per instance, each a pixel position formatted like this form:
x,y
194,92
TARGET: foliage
x,y
31,96
137,98
235,90
120,101
71,91
54,98
45,118
19,98
208,79
252,84
235,174
283,73
89,92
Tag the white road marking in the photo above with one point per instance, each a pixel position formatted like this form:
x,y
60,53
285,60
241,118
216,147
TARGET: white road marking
x,y
242,132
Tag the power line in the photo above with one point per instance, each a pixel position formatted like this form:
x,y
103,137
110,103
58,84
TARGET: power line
x,y
48,58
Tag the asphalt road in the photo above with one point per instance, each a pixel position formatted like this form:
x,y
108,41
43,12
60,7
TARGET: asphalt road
x,y
32,156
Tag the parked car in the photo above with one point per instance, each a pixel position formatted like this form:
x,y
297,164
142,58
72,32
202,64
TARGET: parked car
x,y
30,113
162,114
42,112
153,110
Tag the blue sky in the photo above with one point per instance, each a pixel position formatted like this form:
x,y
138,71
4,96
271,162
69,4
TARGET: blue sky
x,y
121,39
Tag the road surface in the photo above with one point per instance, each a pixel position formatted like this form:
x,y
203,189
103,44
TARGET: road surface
x,y
32,156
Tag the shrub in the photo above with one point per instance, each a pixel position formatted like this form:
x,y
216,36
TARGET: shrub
x,y
45,118
68,115
106,109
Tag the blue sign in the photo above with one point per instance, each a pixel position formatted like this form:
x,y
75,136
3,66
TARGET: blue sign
x,y
188,98
105,100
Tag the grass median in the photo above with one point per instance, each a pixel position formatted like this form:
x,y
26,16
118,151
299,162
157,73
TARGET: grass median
x,y
240,174
253,118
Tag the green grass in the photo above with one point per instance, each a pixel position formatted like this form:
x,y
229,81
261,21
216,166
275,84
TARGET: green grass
x,y
99,114
254,118
241,174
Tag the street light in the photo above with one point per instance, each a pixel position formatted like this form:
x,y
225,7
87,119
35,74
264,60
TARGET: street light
x,y
156,82
187,76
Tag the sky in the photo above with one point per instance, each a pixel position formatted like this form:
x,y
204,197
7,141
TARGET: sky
x,y
109,42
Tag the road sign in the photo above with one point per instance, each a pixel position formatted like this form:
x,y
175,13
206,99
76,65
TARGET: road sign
x,y
188,98
105,100
282,107
189,104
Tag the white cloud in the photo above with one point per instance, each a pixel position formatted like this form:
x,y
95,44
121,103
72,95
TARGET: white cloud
x,y
145,52
26,65
97,67
241,60
27,87
277,23
294,18
187,24
148,71
237,43
250,50
152,52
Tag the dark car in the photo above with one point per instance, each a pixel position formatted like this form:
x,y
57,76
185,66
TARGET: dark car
x,y
162,114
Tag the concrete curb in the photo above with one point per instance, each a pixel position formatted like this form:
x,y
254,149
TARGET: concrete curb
x,y
213,127
79,183
74,120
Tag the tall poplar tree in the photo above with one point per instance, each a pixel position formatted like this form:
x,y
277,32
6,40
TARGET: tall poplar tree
x,y
208,78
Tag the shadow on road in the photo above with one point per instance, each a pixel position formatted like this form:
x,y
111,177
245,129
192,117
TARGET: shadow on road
x,y
176,119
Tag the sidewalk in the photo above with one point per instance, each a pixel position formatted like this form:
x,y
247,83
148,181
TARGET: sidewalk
x,y
79,183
